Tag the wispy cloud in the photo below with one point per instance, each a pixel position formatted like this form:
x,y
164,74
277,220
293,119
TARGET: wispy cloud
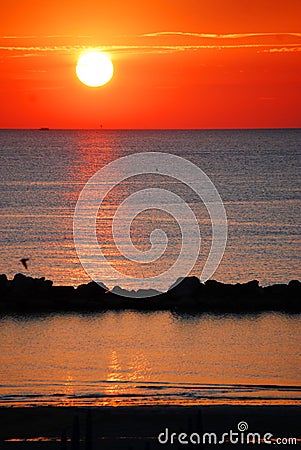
x,y
283,50
217,36
54,48
209,41
23,55
149,48
50,36
18,37
260,43
165,33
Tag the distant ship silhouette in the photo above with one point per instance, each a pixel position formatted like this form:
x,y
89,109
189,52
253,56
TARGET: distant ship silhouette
x,y
43,129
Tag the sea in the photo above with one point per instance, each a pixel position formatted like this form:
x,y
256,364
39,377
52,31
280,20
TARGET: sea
x,y
127,358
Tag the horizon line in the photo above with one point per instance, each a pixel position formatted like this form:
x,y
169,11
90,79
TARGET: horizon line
x,y
150,129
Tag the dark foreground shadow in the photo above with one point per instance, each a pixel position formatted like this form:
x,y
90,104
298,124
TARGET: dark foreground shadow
x,y
149,427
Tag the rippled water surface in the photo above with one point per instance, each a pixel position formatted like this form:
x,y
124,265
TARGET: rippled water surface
x,y
256,172
156,358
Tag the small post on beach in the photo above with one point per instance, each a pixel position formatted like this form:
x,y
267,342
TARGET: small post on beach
x,y
75,439
63,445
199,425
88,437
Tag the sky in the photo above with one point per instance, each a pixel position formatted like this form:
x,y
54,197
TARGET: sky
x,y
177,64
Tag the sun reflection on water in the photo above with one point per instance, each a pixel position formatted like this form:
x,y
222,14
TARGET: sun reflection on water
x,y
121,377
68,391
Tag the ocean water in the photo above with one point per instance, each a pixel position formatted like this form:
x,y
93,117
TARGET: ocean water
x,y
256,172
132,358
156,358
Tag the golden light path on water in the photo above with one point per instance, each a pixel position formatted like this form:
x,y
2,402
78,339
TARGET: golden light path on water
x,y
154,358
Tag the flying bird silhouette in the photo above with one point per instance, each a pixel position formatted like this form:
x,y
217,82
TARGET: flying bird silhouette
x,y
24,262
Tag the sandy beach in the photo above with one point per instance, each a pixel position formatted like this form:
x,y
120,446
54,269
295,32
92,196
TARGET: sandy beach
x,y
140,427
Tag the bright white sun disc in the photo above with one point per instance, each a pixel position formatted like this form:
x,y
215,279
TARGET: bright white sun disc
x,y
94,69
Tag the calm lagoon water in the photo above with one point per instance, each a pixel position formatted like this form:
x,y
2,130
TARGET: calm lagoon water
x,y
131,358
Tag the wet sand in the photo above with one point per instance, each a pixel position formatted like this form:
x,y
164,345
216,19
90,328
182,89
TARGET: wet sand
x,y
139,427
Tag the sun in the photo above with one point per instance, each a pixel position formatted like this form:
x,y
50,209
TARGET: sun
x,y
94,68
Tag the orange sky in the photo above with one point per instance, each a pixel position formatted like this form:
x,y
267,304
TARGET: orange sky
x,y
178,64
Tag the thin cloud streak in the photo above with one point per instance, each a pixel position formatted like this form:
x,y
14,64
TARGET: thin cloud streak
x,y
55,48
165,33
51,36
283,50
25,55
18,37
228,43
141,49
217,36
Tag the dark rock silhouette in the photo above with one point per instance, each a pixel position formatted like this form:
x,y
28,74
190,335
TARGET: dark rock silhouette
x,y
141,293
91,290
186,287
3,281
27,294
